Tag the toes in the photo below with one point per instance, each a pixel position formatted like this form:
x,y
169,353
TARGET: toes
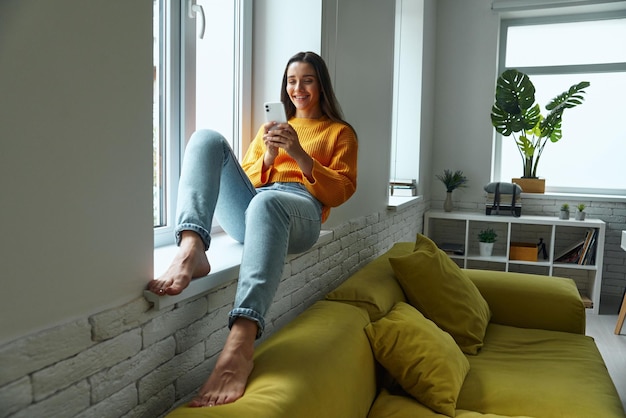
x,y
196,403
204,400
155,286
173,290
161,287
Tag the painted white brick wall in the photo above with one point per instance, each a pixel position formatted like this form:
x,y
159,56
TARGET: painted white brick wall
x,y
132,361
23,356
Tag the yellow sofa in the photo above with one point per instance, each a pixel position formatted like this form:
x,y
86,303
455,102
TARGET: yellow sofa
x,y
533,361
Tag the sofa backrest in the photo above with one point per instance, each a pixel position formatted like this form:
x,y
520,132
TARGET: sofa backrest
x,y
515,299
531,301
374,287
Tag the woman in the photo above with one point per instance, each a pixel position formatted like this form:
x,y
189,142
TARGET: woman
x,y
274,203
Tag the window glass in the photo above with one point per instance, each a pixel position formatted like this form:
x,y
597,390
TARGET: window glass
x,y
215,68
407,87
592,42
587,155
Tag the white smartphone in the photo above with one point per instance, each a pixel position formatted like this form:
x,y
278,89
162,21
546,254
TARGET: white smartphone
x,y
275,112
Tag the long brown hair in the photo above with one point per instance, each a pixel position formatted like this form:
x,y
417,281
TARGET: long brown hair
x,y
328,101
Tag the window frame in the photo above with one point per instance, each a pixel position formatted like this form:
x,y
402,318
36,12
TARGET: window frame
x,y
178,107
505,23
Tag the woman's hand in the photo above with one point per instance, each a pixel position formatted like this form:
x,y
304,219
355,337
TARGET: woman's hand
x,y
271,150
283,136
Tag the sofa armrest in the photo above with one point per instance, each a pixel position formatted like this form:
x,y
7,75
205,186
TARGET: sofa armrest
x,y
531,301
320,365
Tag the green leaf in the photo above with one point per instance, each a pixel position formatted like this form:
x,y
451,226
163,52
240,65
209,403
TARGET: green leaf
x,y
570,98
526,146
514,109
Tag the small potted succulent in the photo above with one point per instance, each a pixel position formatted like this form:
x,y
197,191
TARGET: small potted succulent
x,y
580,212
452,181
486,239
564,214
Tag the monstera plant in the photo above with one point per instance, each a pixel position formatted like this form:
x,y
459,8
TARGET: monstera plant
x,y
516,113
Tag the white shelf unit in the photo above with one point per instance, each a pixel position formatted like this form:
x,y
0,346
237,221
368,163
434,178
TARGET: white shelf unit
x,y
461,228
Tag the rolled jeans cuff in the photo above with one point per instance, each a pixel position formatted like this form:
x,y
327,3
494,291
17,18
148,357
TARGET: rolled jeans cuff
x,y
248,314
204,234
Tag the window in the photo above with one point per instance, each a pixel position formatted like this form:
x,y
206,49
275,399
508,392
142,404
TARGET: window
x,y
406,126
557,52
199,77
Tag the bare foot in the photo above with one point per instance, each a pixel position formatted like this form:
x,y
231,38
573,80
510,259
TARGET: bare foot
x,y
228,381
190,262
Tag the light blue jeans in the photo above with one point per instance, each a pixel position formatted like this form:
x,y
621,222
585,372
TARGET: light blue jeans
x,y
271,221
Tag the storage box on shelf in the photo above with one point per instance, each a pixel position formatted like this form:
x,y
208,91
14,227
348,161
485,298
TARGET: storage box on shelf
x,y
524,251
584,240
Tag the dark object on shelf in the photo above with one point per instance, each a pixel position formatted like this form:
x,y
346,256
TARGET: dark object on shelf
x,y
503,199
541,249
451,248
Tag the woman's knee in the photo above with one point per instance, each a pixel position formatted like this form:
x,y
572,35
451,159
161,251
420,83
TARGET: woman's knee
x,y
206,139
267,201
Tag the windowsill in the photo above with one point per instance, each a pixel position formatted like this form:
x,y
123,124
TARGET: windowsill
x,y
578,196
401,202
225,258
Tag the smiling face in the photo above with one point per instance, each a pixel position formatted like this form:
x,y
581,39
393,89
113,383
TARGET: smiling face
x,y
304,90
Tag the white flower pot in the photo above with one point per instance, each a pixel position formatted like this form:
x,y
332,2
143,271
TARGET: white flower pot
x,y
486,249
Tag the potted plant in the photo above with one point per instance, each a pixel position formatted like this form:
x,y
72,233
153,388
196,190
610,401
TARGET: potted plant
x,y
580,212
564,211
515,113
486,239
452,181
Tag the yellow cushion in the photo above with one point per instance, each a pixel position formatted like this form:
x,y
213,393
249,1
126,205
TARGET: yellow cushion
x,y
374,287
438,288
424,360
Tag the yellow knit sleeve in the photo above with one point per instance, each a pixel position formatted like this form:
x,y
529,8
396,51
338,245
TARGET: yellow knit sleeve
x,y
252,162
335,182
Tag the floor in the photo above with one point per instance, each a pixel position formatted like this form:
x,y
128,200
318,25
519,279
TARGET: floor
x,y
601,327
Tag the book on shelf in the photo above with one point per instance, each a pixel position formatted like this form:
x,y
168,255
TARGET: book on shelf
x,y
587,247
581,252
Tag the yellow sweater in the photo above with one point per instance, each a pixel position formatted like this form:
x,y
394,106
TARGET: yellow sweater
x,y
333,147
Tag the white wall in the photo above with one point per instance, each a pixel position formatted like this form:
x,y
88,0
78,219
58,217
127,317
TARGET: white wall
x,y
467,40
75,165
